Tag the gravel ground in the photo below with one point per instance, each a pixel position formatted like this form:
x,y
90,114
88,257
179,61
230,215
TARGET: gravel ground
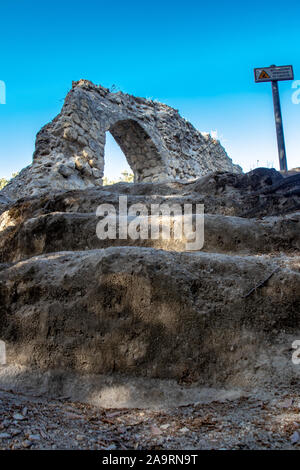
x,y
28,422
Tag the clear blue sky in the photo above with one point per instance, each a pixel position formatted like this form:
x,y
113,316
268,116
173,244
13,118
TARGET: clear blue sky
x,y
195,56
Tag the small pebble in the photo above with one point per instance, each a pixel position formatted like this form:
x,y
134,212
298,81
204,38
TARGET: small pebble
x,y
111,447
184,430
27,444
295,437
165,426
18,417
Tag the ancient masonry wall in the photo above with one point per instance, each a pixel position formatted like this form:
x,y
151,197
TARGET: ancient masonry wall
x,y
158,143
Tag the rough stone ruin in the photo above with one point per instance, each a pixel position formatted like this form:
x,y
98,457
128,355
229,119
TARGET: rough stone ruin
x,y
143,322
158,143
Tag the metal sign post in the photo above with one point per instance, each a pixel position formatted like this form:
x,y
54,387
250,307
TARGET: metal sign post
x,y
274,74
279,127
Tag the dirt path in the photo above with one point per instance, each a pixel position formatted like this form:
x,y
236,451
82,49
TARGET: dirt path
x,y
36,423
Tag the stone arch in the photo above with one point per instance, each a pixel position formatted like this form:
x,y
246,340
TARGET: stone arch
x,y
158,143
139,149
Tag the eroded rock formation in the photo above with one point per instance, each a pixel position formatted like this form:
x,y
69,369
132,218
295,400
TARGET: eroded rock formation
x,y
158,143
227,315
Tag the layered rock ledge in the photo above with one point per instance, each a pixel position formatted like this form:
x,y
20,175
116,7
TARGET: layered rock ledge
x,y
146,309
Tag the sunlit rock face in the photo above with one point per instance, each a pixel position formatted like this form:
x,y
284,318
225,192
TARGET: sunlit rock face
x,y
74,305
158,143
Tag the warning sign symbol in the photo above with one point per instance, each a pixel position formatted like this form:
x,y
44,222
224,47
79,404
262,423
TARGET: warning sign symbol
x,y
263,75
273,73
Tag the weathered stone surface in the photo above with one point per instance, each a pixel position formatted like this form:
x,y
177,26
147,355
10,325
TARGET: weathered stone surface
x,y
253,213
158,143
225,316
73,231
145,312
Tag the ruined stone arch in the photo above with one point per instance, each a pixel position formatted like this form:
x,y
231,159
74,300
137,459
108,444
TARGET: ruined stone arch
x,y
158,143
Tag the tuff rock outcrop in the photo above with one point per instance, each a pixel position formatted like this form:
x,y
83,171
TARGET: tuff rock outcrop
x,y
158,143
146,309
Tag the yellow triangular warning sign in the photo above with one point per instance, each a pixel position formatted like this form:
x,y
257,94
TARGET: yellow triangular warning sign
x,y
263,75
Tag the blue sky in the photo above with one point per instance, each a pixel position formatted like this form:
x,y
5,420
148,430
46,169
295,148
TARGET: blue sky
x,y
195,56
